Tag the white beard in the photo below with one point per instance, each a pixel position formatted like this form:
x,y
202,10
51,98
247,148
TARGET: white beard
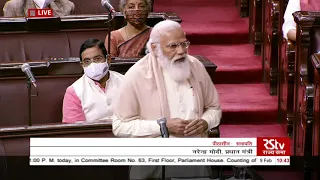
x,y
178,71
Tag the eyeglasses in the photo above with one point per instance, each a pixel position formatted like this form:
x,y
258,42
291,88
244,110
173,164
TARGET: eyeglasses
x,y
96,59
174,46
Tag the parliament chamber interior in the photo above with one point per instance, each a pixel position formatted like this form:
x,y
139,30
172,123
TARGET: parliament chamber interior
x,y
268,86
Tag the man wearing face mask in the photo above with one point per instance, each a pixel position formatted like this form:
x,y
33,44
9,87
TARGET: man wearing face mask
x,y
19,8
90,97
130,40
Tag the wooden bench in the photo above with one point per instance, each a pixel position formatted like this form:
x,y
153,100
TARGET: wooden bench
x,y
94,7
307,43
86,7
53,77
307,129
24,39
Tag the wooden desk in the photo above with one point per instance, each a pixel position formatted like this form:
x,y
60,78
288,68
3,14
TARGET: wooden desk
x,y
15,143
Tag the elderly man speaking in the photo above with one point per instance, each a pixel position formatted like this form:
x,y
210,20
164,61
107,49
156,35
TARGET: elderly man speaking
x,y
168,83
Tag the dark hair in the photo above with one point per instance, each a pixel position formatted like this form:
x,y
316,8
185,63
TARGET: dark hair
x,y
93,43
123,3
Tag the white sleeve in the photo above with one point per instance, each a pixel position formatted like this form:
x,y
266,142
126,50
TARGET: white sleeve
x,y
293,6
135,128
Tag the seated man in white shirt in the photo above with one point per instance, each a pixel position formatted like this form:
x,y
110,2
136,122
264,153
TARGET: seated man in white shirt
x,y
90,97
167,83
289,25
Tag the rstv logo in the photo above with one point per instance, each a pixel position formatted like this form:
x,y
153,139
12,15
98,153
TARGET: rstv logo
x,y
273,146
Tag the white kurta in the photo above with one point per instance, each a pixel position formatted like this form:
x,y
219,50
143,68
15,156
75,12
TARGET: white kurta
x,y
289,23
96,103
182,104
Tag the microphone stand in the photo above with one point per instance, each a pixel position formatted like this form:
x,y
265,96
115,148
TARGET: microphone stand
x,y
163,168
110,18
164,135
30,95
29,103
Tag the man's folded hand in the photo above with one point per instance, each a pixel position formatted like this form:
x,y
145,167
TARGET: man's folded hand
x,y
196,127
176,126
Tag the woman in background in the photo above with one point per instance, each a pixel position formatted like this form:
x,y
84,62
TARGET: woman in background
x,y
131,40
289,25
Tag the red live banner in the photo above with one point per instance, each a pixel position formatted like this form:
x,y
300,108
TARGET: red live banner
x,y
40,13
273,146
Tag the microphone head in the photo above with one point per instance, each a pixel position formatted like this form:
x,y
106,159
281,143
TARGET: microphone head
x,y
103,2
108,6
162,121
24,67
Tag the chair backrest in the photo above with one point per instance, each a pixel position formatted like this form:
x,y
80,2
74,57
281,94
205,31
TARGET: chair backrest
x,y
95,7
21,40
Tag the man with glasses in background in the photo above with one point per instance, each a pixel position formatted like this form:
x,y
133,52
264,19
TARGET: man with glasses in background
x,y
90,97
167,83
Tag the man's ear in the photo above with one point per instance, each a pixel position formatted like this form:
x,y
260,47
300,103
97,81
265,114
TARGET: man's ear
x,y
154,48
108,60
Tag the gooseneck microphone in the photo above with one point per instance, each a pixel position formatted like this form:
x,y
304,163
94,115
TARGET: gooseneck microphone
x,y
163,127
165,134
106,4
27,70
